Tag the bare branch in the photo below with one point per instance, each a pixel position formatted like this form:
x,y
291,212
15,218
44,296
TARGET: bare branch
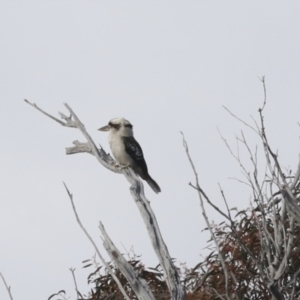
x,y
137,191
69,122
91,148
268,148
224,198
170,272
240,181
293,208
79,148
297,176
198,188
222,260
220,296
251,127
139,285
7,287
265,92
75,283
95,246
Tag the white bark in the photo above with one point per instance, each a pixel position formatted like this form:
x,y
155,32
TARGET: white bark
x,y
208,224
139,285
137,191
277,246
171,274
110,271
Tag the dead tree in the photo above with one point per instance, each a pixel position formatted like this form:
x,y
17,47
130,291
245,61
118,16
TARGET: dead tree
x,y
139,286
257,251
257,256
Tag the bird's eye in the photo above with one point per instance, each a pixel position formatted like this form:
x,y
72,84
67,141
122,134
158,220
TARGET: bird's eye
x,y
113,125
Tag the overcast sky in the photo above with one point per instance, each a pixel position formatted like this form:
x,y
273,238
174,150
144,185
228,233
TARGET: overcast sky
x,y
167,66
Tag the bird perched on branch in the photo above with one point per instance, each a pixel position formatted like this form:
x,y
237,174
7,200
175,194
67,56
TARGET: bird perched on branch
x,y
126,150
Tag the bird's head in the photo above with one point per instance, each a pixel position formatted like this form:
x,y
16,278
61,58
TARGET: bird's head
x,y
118,125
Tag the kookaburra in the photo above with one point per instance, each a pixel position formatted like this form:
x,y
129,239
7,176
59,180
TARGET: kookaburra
x,y
126,150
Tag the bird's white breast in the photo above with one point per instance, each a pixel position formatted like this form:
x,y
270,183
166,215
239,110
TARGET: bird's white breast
x,y
118,149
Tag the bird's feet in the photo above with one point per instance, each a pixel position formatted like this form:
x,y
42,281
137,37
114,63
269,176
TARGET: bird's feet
x,y
122,167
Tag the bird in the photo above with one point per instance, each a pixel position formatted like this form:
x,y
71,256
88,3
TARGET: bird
x,y
126,150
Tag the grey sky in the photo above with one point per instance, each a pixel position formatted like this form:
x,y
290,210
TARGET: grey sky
x,y
164,65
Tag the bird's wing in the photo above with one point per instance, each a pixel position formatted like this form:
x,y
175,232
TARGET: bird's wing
x,y
135,151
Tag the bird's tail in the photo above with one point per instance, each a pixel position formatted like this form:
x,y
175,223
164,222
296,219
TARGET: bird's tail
x,y
155,187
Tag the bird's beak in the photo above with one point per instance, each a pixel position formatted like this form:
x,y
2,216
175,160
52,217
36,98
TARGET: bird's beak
x,y
104,128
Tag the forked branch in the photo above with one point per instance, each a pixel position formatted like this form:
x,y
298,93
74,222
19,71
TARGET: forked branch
x,y
137,191
95,247
7,287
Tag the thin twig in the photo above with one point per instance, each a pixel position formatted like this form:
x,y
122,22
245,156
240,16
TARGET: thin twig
x,y
265,92
200,193
297,176
268,148
224,198
7,287
75,283
242,121
198,188
95,246
48,115
61,293
240,181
